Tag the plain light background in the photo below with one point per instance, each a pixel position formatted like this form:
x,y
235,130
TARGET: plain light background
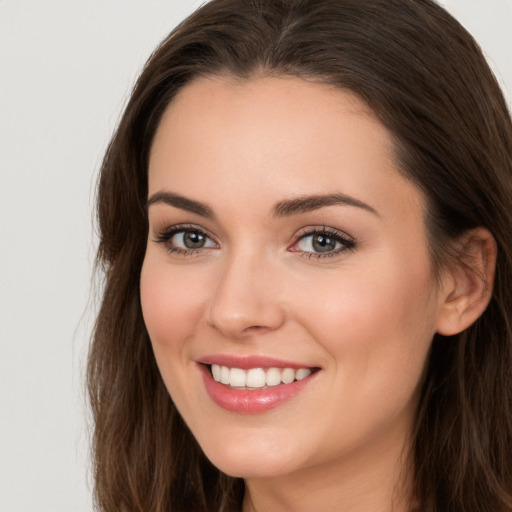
x,y
66,69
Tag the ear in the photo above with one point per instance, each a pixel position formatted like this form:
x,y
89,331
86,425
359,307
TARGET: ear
x,y
468,282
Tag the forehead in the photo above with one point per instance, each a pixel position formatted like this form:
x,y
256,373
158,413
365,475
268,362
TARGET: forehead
x,y
276,103
265,138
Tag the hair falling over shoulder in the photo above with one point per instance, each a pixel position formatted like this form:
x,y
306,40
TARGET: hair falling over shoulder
x,y
425,78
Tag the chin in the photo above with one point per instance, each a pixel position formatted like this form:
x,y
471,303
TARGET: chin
x,y
250,460
251,469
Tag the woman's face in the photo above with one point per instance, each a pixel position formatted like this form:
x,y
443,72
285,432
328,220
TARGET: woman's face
x,y
288,256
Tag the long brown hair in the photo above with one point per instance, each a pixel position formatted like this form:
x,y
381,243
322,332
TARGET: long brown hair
x,y
425,78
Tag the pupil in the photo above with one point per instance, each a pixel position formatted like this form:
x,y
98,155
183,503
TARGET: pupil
x,y
323,243
193,239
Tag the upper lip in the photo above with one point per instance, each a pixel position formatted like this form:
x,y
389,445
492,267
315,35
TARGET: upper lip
x,y
248,362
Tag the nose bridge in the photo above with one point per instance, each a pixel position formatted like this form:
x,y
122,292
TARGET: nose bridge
x,y
245,299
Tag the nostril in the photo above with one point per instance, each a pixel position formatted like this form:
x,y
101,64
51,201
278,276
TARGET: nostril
x,y
257,328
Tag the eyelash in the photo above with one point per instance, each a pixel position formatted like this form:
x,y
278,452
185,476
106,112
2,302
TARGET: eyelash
x,y
165,236
347,242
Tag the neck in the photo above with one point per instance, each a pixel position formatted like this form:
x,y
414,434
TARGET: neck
x,y
376,478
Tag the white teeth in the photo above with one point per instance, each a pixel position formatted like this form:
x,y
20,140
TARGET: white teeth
x,y
287,375
237,377
217,372
224,374
257,378
273,377
302,373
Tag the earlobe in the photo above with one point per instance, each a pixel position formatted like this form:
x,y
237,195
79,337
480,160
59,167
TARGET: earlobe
x,y
468,282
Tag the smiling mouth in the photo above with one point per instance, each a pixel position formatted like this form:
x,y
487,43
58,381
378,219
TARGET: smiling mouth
x,y
257,378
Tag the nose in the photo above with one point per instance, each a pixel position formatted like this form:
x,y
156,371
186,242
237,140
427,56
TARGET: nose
x,y
247,298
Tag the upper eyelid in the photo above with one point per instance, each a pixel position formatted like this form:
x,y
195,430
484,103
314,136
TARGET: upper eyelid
x,y
299,234
176,228
347,241
311,230
165,234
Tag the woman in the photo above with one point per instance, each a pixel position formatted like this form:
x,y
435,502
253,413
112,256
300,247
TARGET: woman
x,y
305,220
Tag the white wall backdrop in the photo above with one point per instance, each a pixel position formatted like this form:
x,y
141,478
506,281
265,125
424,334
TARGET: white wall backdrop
x,y
66,68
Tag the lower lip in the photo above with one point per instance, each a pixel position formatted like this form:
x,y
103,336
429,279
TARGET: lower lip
x,y
246,401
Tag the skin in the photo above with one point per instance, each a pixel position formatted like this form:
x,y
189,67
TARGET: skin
x,y
365,315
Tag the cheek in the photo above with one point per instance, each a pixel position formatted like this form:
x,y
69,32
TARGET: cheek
x,y
376,326
377,330
172,302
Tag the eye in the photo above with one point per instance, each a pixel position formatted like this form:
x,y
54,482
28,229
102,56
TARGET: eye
x,y
185,240
190,239
322,242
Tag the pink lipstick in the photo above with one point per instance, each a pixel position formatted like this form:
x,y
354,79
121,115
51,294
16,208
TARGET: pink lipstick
x,y
253,384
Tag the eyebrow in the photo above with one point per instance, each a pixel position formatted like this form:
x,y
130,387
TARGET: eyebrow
x,y
285,208
305,204
181,202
